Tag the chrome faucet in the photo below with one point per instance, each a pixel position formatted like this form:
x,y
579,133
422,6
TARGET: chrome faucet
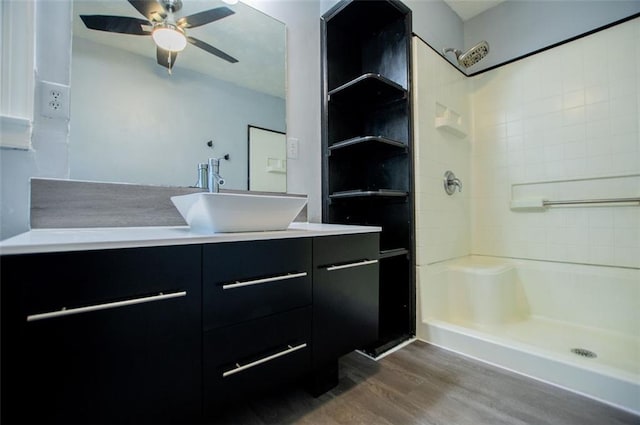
x,y
214,180
450,183
203,176
209,175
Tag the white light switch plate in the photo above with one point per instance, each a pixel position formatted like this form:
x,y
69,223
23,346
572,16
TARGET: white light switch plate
x,y
292,148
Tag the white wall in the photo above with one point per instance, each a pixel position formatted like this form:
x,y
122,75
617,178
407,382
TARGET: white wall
x,y
567,113
515,28
563,120
303,94
48,156
443,222
436,23
136,124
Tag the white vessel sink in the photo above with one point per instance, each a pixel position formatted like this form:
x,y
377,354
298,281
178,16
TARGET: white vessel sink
x,y
232,212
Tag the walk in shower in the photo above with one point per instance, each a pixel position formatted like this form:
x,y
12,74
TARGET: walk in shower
x,y
509,272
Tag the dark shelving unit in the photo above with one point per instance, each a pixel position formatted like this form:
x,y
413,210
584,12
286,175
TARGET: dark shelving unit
x,y
367,145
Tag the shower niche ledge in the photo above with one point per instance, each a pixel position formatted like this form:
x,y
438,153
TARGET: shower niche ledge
x,y
450,121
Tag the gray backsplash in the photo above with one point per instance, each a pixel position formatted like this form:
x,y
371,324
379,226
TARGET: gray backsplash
x,y
73,204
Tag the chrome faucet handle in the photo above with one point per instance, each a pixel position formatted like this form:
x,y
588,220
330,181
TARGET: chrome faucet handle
x,y
225,157
203,172
457,182
451,182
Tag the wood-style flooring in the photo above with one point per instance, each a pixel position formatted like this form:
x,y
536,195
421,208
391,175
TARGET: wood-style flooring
x,y
423,384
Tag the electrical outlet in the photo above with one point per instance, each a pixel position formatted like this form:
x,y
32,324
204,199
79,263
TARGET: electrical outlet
x,y
54,100
292,148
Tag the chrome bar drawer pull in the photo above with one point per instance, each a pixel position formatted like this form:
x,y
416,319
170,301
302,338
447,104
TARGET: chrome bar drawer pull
x,y
66,312
347,266
239,284
263,360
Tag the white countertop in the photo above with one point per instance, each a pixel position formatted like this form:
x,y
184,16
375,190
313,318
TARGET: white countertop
x,y
63,240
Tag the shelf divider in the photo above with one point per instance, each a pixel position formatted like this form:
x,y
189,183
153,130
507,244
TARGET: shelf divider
x,y
396,252
368,140
369,193
368,88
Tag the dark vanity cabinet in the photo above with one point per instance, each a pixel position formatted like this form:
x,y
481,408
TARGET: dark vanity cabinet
x,y
256,317
101,336
345,301
367,146
173,334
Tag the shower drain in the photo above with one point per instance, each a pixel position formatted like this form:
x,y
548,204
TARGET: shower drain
x,y
583,352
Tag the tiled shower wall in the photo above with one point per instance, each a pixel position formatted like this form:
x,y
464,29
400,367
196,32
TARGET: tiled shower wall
x,y
443,225
571,112
568,113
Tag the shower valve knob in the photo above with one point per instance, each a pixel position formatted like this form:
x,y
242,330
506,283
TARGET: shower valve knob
x,y
451,182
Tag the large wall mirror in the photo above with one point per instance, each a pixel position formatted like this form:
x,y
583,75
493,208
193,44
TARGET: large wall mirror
x,y
134,122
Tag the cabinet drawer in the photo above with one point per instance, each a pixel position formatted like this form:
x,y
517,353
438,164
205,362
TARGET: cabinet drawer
x,y
345,311
346,249
120,351
345,295
139,364
255,355
79,282
248,280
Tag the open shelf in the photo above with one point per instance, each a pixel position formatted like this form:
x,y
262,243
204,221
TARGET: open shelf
x,y
391,214
364,172
396,322
368,141
367,37
387,343
351,121
368,88
378,14
396,252
369,193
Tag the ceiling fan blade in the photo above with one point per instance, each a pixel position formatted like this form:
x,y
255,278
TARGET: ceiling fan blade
x,y
166,58
119,24
205,17
149,8
209,48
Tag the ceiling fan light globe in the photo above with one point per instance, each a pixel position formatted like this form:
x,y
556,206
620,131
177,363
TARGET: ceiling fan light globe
x,y
169,37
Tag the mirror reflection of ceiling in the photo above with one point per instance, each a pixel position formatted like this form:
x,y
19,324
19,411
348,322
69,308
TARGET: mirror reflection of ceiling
x,y
240,35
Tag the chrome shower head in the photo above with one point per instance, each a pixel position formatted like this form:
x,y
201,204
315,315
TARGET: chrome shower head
x,y
471,56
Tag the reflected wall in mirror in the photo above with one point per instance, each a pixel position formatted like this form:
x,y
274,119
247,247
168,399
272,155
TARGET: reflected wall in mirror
x,y
267,160
133,122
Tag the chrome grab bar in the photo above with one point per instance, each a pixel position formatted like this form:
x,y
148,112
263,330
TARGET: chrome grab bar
x,y
239,284
346,266
66,312
546,203
239,368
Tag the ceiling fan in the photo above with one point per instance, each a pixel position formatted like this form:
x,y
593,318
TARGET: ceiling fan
x,y
167,32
